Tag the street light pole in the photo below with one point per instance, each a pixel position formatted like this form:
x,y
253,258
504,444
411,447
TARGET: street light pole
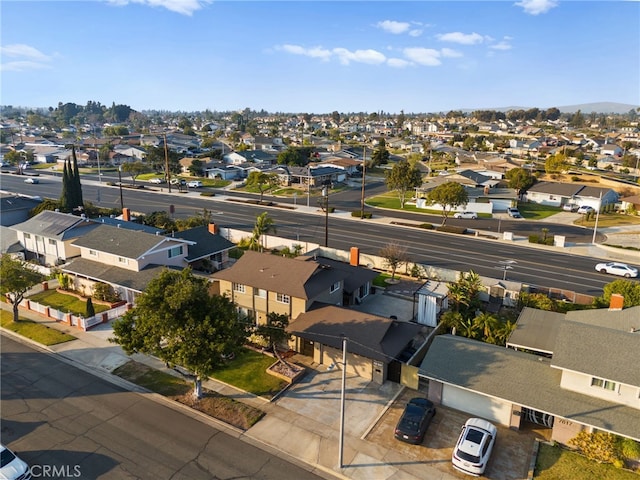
x,y
120,185
364,168
595,225
344,383
325,201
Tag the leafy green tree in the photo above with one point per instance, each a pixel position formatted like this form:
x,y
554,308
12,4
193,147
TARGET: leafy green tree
x,y
262,181
196,168
178,321
394,255
487,324
264,225
274,332
380,155
161,220
536,300
555,163
66,194
448,195
629,289
519,179
17,278
134,169
465,293
295,156
78,201
402,178
155,158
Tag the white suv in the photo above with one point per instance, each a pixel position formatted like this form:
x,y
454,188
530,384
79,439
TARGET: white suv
x,y
11,467
474,446
471,215
194,184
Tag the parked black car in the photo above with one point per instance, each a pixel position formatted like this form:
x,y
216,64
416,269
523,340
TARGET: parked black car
x,y
415,420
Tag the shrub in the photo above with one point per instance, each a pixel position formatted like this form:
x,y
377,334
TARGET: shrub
x,y
358,213
426,226
64,281
90,310
598,446
208,194
575,178
105,292
451,229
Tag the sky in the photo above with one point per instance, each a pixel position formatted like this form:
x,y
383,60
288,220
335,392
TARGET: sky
x,y
319,56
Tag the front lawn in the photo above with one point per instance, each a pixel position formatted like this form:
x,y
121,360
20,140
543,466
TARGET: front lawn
x,y
534,211
609,220
247,371
35,331
65,303
555,463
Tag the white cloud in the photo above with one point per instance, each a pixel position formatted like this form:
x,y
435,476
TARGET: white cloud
x,y
450,53
398,63
501,46
183,7
415,33
536,7
462,38
369,56
391,26
26,58
315,52
423,56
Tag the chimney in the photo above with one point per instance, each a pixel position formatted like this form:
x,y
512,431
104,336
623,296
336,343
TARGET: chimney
x,y
213,229
616,302
354,257
126,214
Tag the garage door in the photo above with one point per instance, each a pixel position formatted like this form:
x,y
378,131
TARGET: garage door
x,y
356,364
476,404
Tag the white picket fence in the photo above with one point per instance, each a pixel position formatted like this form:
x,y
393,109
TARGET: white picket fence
x,y
74,320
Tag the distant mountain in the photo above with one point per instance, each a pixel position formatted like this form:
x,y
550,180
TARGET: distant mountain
x,y
598,107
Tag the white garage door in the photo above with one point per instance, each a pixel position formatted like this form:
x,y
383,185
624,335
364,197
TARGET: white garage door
x,y
476,404
356,364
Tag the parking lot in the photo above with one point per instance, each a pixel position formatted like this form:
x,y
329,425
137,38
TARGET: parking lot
x,y
511,456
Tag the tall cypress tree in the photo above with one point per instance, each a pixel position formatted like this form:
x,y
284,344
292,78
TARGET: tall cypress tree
x,y
77,186
64,196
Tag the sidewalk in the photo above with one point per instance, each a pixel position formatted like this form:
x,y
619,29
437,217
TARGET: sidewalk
x,y
302,426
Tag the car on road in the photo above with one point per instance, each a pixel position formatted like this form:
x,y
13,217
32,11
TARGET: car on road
x,y
12,467
194,184
178,181
514,212
471,215
31,180
570,207
157,180
585,209
617,268
474,446
414,421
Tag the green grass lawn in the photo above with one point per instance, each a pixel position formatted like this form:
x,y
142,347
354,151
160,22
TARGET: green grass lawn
x,y
554,463
609,220
35,331
65,303
247,371
534,211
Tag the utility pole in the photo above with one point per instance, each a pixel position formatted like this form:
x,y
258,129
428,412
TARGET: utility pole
x,y
342,399
325,201
166,162
364,168
595,226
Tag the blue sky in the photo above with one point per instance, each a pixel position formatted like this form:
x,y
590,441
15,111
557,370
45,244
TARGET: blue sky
x,y
317,57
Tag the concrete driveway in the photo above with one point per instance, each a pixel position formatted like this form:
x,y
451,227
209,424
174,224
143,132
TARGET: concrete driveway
x,y
511,454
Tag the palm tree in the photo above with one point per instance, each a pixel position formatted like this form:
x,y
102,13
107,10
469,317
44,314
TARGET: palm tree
x,y
487,323
468,328
264,225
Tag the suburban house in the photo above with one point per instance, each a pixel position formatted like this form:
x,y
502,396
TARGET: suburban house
x,y
567,372
16,208
374,343
125,259
208,250
557,194
253,156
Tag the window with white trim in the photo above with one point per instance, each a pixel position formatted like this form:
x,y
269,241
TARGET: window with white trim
x,y
282,298
239,287
52,242
27,235
175,251
93,253
123,260
334,287
260,292
604,384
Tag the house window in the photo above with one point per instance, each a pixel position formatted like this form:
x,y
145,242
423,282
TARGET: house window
x,y
27,235
52,242
123,260
175,251
334,287
93,253
239,287
282,298
260,292
605,384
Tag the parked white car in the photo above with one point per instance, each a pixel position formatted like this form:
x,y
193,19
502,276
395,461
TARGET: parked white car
x,y
31,180
194,184
585,209
471,215
474,446
11,466
617,268
157,180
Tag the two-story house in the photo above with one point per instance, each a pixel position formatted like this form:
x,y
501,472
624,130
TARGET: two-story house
x,y
569,373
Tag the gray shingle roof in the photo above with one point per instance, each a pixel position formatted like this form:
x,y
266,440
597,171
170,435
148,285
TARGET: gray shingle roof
x,y
129,279
602,352
369,335
120,241
297,278
536,330
50,224
206,244
626,320
524,379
